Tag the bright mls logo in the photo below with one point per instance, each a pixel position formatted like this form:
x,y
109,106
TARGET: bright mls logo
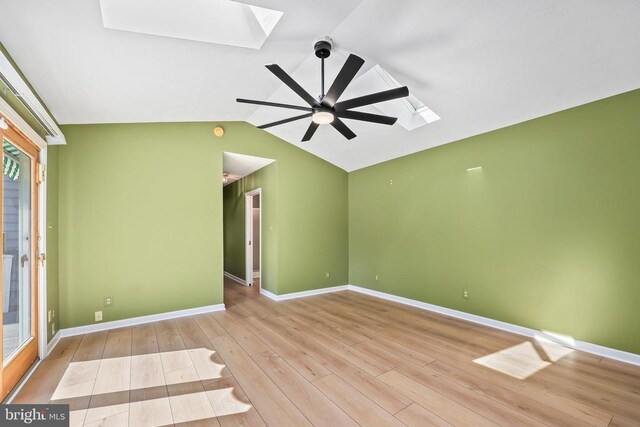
x,y
34,415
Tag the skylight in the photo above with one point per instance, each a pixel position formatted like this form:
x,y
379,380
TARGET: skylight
x,y
410,111
213,21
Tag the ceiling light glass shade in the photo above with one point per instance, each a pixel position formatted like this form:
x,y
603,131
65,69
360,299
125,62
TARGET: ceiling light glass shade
x,y
322,117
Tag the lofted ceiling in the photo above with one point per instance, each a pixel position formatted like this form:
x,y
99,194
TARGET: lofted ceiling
x,y
237,166
479,65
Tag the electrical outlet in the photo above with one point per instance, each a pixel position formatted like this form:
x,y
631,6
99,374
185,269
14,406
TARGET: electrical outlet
x,y
98,316
53,329
465,294
327,275
108,301
376,277
49,316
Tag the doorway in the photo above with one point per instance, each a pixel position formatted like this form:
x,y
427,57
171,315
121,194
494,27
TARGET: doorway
x,y
253,226
20,240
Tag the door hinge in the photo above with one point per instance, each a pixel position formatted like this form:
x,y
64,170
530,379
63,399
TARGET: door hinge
x,y
42,173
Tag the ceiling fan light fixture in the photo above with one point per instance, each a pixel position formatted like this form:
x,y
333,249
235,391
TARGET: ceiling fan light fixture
x,y
322,117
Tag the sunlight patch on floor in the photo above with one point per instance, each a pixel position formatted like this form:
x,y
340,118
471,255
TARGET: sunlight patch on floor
x,y
520,361
525,359
143,373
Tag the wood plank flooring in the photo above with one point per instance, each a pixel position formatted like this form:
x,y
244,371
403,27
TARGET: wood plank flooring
x,y
339,359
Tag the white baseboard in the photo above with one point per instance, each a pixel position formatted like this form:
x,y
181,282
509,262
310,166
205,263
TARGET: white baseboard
x,y
302,294
236,278
53,343
520,330
104,326
599,350
268,294
596,349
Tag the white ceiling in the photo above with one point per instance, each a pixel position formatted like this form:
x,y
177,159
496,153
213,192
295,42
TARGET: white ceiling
x,y
213,21
480,65
241,165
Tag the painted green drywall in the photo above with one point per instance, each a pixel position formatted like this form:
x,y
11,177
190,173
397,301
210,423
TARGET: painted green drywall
x,y
233,221
52,239
137,220
313,225
140,217
305,229
234,224
545,236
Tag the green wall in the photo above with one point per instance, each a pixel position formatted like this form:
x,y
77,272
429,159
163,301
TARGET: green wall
x,y
52,240
306,203
140,217
234,225
545,236
233,220
138,210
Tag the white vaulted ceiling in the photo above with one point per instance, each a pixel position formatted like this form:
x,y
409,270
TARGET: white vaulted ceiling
x,y
479,65
240,165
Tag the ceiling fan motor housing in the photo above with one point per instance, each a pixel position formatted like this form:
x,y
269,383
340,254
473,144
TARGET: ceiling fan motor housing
x,y
323,47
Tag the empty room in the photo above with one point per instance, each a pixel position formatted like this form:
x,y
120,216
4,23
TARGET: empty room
x,y
320,213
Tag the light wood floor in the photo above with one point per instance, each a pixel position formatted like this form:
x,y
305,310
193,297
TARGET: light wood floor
x,y
338,359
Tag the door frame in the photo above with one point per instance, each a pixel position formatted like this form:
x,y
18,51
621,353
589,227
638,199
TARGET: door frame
x,y
248,203
13,118
33,347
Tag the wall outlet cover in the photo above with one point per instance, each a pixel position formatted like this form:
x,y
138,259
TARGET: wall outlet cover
x,y
98,316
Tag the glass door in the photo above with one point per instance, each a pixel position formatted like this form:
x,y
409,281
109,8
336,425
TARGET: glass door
x,y
19,241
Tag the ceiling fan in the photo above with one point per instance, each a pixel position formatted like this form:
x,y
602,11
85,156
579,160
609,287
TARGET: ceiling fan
x,y
326,109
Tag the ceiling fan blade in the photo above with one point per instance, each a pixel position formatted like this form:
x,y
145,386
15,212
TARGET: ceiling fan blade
x,y
367,117
342,128
283,121
310,131
374,98
273,104
286,79
344,77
